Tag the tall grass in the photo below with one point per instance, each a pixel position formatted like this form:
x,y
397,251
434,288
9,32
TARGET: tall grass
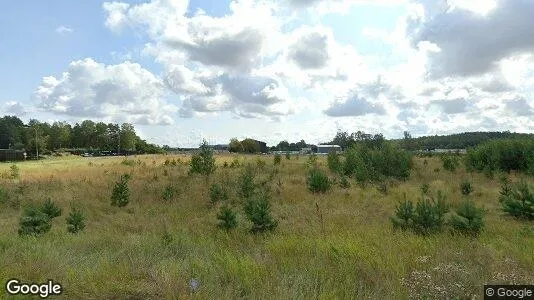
x,y
152,249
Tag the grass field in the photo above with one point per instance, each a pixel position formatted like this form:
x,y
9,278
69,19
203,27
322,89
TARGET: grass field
x,y
152,248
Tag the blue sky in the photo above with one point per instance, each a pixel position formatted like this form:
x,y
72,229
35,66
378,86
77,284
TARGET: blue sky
x,y
270,69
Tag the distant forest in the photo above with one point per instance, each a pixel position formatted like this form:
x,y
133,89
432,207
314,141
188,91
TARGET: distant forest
x,y
14,134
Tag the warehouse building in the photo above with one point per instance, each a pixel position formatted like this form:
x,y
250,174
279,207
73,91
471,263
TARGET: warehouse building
x,y
325,149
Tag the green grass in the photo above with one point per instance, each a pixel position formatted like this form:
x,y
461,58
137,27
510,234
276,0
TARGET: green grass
x,y
337,245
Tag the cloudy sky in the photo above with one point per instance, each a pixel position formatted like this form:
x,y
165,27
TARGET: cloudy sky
x,y
185,70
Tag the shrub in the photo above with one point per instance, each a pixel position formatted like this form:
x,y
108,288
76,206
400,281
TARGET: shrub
x,y
203,162
502,155
450,162
466,188
169,192
277,159
288,156
426,217
372,164
429,214
519,201
468,219
258,211
334,162
246,182
344,182
225,164
51,209
317,181
121,192
34,222
15,172
227,218
425,187
217,193
75,221
404,214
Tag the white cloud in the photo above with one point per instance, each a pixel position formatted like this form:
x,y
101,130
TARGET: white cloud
x,y
64,30
124,92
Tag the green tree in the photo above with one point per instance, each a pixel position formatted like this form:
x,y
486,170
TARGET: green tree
x,y
203,162
128,137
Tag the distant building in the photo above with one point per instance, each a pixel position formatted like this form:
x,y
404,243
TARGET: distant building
x,y
307,150
12,155
325,149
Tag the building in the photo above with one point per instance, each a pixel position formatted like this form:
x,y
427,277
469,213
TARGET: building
x,y
307,150
325,149
12,155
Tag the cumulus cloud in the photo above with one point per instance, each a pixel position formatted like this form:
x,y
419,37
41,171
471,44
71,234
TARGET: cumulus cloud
x,y
472,43
64,30
354,106
15,108
88,89
519,107
454,106
310,51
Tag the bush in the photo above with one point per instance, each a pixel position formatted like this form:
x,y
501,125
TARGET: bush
x,y
426,217
258,211
225,164
466,188
277,159
518,201
168,193
468,219
217,193
450,162
502,155
51,209
429,214
334,162
203,162
288,156
373,164
34,222
404,214
75,221
260,163
317,181
227,218
246,182
121,192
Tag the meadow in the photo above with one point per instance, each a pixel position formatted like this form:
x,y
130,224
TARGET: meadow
x,y
338,245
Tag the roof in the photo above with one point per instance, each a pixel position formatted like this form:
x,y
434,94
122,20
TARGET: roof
x,y
329,146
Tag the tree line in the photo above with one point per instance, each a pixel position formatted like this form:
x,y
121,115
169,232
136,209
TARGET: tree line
x,y
88,135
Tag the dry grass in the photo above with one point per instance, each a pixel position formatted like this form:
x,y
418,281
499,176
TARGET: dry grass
x,y
152,248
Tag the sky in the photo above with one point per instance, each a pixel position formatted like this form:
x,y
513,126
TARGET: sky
x,y
182,71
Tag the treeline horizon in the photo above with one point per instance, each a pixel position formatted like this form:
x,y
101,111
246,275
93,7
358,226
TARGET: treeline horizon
x,y
15,134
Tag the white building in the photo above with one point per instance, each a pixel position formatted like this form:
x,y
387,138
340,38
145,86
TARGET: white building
x,y
325,149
